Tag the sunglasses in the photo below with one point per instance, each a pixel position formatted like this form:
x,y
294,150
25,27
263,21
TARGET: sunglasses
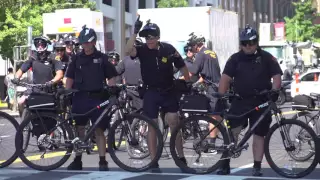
x,y
250,43
150,38
41,44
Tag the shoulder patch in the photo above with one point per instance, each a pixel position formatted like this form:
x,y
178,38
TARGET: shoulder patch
x,y
58,58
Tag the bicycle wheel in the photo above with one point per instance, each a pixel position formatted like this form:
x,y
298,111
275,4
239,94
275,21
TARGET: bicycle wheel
x,y
304,133
59,138
194,122
133,141
310,120
7,122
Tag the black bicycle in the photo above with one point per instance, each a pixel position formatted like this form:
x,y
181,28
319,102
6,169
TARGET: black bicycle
x,y
231,149
45,114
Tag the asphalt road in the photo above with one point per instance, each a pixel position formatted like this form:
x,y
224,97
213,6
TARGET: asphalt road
x,y
241,169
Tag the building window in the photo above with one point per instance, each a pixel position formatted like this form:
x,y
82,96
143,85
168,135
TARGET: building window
x,y
127,6
107,2
142,4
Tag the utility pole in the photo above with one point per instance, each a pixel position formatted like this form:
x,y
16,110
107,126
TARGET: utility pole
x,y
123,28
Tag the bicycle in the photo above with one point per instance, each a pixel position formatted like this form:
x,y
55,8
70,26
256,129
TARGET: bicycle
x,y
12,156
232,149
71,143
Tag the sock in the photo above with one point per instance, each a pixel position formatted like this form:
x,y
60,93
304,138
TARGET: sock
x,y
212,140
78,158
257,164
102,158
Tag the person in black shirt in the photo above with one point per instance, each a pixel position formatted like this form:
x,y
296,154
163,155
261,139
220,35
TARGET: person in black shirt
x,y
60,52
251,70
156,59
87,73
114,59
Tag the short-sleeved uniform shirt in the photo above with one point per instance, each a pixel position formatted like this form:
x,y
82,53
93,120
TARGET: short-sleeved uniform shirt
x,y
207,65
44,69
157,64
130,70
252,73
189,63
90,72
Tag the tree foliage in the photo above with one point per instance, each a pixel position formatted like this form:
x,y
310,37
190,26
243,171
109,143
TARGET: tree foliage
x,y
300,28
23,13
172,3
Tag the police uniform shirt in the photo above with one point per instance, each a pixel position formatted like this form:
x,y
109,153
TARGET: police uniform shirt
x,y
90,72
43,70
252,73
130,70
65,60
156,64
189,63
207,65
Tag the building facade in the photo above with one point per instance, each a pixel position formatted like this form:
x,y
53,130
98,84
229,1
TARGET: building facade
x,y
250,12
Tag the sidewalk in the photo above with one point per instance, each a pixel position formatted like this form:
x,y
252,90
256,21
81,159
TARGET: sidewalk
x,y
3,108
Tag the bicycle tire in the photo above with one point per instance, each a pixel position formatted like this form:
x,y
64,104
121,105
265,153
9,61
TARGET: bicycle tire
x,y
111,141
19,143
273,164
14,122
295,117
175,156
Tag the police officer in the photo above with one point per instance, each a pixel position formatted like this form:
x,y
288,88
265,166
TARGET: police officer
x,y
114,59
87,73
60,51
156,60
251,69
206,64
69,41
44,66
189,60
130,69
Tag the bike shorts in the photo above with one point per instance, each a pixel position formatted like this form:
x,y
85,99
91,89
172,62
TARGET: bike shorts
x,y
81,104
239,107
153,100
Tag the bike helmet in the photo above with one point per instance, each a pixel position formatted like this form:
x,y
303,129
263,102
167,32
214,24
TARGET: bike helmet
x,y
87,35
249,34
195,39
150,29
114,55
60,44
68,39
41,43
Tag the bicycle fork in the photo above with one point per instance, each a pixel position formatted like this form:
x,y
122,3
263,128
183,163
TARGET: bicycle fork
x,y
288,145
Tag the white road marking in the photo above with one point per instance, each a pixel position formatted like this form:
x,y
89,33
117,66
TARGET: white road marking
x,y
104,175
241,168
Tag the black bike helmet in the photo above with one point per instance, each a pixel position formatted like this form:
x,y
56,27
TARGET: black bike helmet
x,y
150,29
195,39
68,39
87,35
114,55
60,44
44,43
138,42
249,34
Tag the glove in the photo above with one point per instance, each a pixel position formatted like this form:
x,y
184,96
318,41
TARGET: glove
x,y
114,90
15,81
137,25
49,84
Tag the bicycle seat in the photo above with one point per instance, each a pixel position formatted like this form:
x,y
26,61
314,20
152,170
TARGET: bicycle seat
x,y
67,91
316,95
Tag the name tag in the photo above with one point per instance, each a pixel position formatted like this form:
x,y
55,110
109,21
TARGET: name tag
x,y
96,60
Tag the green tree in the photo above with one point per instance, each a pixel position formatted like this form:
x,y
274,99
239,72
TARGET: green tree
x,y
300,27
20,15
172,3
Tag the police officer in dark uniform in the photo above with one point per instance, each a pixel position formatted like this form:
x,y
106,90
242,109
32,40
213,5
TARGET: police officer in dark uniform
x,y
130,69
114,59
60,51
207,65
69,41
87,73
156,59
46,69
251,69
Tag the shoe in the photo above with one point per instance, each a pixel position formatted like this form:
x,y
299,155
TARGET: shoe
x,y
155,168
223,171
256,172
75,165
103,166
